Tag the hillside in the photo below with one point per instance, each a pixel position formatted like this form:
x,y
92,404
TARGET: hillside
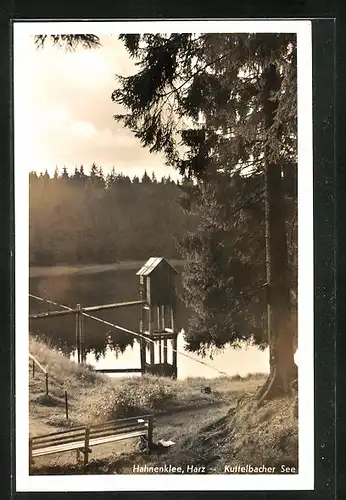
x,y
211,430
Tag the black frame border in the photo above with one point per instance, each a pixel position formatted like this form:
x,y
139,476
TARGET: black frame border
x,y
324,136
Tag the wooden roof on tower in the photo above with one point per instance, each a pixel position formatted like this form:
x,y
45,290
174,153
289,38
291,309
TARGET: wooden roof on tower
x,y
152,264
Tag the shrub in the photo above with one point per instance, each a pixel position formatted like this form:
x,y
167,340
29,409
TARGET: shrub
x,y
131,397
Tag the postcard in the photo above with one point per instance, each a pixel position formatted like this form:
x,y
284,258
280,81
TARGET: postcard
x,y
164,255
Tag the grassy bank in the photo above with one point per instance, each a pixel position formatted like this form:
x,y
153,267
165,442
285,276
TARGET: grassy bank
x,y
96,398
224,427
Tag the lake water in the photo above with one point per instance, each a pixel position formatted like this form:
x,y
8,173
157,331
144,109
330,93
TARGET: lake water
x,y
117,285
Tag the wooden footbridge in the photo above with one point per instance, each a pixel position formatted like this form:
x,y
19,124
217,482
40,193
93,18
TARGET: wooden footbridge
x,y
157,322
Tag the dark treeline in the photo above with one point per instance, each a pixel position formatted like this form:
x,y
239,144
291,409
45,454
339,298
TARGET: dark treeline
x,y
95,218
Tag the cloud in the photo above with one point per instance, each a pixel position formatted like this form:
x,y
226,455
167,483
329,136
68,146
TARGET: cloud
x,y
83,130
70,112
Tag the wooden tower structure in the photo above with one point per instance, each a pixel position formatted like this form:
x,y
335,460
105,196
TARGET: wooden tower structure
x,y
158,317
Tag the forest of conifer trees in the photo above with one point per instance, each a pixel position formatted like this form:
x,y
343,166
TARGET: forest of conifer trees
x,y
95,218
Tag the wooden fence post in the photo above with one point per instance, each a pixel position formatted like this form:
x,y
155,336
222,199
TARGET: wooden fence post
x,y
174,342
82,336
151,345
66,405
46,383
77,336
163,329
159,331
33,368
81,333
30,455
142,341
86,447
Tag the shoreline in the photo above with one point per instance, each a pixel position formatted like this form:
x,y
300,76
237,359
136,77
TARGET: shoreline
x,y
61,270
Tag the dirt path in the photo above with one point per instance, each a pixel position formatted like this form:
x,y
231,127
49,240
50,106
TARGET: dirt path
x,y
179,425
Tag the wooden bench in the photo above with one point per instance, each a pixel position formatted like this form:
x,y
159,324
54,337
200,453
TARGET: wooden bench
x,y
82,439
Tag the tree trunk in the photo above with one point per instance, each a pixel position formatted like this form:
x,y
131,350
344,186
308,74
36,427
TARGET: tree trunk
x,y
280,330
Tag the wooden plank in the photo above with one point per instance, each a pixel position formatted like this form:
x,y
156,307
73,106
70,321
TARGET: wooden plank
x,y
79,432
159,329
114,306
164,330
81,327
116,432
51,450
47,439
69,431
80,445
78,337
174,342
124,420
156,336
81,333
118,426
51,314
59,441
141,329
162,337
37,363
119,437
151,346
38,440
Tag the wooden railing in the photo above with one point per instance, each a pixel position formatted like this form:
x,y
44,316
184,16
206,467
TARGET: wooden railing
x,y
103,307
35,363
79,311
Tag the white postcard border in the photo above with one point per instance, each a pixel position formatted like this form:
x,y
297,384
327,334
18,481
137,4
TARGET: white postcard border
x,y
305,479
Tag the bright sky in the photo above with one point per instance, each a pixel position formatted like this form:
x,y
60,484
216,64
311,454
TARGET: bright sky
x,y
69,111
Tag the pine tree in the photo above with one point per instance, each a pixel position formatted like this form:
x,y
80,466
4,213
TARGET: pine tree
x,y
69,42
225,255
110,179
82,174
93,174
231,101
56,174
236,95
65,174
46,176
101,177
145,178
76,176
